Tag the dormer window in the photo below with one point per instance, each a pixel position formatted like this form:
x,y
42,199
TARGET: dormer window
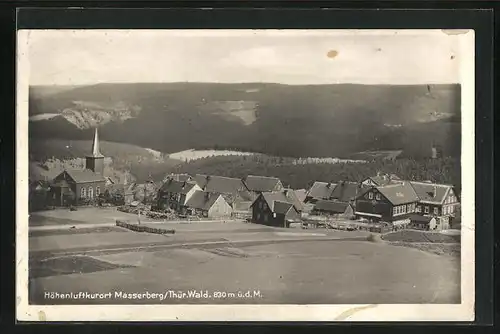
x,y
370,195
377,197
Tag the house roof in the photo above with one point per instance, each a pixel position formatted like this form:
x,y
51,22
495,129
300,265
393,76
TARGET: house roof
x,y
331,206
400,193
421,219
321,190
285,196
177,187
202,200
84,175
281,207
261,183
301,194
222,185
346,191
431,192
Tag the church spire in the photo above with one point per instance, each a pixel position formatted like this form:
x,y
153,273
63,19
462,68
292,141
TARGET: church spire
x,y
96,152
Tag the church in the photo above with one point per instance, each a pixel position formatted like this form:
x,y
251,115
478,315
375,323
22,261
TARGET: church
x,y
76,187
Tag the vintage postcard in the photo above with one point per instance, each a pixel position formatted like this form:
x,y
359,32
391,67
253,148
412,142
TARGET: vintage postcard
x,y
245,175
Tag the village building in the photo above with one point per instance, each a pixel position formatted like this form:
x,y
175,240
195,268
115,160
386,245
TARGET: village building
x,y
319,191
425,223
278,208
259,184
81,186
393,204
437,200
333,209
175,194
209,205
232,189
346,191
381,180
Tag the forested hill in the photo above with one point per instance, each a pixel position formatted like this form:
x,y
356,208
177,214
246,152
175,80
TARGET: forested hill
x,y
279,120
298,176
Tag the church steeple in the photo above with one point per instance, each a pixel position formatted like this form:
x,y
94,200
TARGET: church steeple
x,y
95,161
96,152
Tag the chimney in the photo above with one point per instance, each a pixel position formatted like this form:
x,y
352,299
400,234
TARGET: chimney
x,y
434,191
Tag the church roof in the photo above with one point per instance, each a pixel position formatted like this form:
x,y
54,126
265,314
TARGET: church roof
x,y
84,175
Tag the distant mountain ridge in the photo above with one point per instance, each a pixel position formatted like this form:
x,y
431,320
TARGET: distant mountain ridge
x,y
282,120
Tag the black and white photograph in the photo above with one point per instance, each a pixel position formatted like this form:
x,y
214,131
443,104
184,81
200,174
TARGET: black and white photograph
x,y
247,173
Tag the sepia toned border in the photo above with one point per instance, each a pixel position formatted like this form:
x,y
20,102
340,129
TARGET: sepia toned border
x,y
372,312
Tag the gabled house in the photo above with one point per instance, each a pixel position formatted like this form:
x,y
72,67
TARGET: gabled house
x,y
259,184
276,208
393,204
381,180
333,208
206,204
232,189
80,186
437,200
319,191
346,191
175,194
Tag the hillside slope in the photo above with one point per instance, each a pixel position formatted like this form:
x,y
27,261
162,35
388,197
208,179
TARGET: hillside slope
x,y
314,120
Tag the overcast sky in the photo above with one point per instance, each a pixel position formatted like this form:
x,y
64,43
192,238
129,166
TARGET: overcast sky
x,y
291,57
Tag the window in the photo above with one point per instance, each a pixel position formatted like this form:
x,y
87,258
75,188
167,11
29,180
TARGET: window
x,y
403,209
370,195
377,197
394,211
97,191
426,209
418,208
258,216
436,211
91,192
83,193
408,209
266,217
452,209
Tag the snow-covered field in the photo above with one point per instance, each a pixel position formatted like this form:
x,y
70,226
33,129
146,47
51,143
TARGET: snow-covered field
x,y
42,117
188,155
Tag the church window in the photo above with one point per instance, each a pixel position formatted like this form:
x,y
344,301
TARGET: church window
x,y
370,195
91,192
83,192
97,191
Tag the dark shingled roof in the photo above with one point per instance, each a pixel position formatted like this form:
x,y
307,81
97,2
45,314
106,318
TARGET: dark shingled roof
x,y
281,207
331,206
261,183
202,200
177,187
286,196
346,191
420,219
321,190
84,175
399,193
425,191
223,185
